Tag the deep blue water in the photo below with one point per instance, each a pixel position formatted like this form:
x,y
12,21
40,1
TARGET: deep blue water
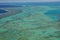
x,y
2,11
20,4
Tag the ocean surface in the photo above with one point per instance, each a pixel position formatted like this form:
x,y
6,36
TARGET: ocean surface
x,y
20,4
30,21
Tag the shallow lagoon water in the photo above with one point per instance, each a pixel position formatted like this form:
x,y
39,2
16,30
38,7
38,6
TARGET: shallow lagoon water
x,y
32,23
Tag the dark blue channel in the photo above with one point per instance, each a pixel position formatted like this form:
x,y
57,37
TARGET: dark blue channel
x,y
2,11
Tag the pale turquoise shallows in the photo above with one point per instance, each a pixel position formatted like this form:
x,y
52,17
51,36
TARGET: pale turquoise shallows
x,y
30,24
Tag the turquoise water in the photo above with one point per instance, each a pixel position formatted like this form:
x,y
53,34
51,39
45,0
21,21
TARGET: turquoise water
x,y
54,14
30,23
